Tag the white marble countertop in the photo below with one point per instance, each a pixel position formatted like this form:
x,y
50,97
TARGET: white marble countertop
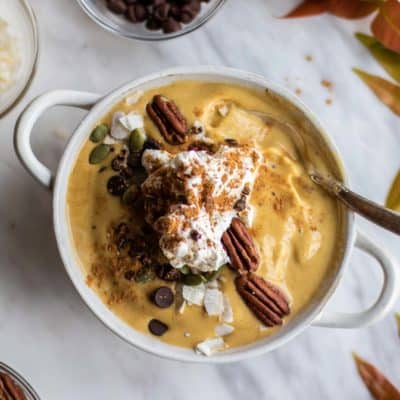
x,y
48,334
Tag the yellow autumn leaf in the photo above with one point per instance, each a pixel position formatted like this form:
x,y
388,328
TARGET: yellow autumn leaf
x,y
387,92
389,59
393,198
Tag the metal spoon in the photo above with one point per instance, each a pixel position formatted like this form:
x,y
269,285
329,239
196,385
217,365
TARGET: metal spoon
x,y
374,212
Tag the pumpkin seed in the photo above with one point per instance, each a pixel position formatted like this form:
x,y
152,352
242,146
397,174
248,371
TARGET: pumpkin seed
x,y
99,153
193,280
99,133
130,195
139,175
210,276
185,270
137,139
145,274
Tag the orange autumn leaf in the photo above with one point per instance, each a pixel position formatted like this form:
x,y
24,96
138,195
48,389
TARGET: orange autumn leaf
x,y
308,8
378,385
386,25
386,91
351,9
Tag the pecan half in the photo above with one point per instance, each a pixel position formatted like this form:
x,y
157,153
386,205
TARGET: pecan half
x,y
268,303
169,120
240,247
9,389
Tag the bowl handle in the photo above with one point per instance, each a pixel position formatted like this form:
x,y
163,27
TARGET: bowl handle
x,y
386,300
28,118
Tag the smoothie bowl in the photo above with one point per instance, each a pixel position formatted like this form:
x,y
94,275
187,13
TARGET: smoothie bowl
x,y
189,225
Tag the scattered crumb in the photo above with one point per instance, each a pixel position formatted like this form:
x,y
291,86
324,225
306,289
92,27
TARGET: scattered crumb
x,y
298,91
327,84
186,334
328,102
309,58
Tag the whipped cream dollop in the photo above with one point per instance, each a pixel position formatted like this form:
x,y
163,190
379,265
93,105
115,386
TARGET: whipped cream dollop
x,y
191,198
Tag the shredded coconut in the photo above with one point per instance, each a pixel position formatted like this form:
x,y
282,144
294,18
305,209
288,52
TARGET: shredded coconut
x,y
9,57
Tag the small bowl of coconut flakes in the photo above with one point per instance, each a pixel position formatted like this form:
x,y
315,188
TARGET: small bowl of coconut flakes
x,y
18,51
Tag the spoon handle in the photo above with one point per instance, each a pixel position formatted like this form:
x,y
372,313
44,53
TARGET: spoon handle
x,y
374,212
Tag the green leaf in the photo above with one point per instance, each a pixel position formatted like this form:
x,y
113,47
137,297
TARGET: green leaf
x,y
387,92
389,59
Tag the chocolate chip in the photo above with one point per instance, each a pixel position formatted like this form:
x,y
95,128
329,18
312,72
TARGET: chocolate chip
x,y
138,246
117,6
168,273
171,25
122,229
116,185
122,242
161,12
231,142
135,159
147,229
157,327
195,235
118,163
153,25
127,172
163,297
151,144
129,275
187,14
137,13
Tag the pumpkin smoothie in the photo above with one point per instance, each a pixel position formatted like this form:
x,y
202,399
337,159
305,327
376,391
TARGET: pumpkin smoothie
x,y
195,221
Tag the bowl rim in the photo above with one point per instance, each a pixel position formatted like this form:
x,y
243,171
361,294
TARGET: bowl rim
x,y
70,258
134,36
35,30
21,381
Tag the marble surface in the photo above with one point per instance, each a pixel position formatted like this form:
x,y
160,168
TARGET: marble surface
x,y
48,334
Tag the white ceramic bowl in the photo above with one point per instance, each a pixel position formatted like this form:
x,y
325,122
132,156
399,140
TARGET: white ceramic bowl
x,y
22,22
118,25
98,106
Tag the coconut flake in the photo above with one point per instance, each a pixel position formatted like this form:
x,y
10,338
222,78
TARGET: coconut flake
x,y
117,131
109,140
213,302
194,294
223,110
227,313
210,346
132,121
224,329
134,97
212,284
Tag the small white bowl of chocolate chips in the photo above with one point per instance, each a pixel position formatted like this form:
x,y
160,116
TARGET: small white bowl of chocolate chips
x,y
151,19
